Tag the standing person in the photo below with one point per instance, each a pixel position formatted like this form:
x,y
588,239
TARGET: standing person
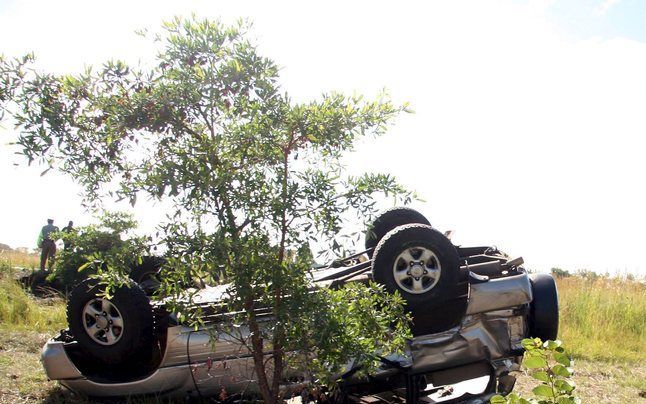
x,y
47,245
67,244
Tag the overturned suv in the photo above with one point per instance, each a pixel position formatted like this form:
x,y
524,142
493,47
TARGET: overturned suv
x,y
471,307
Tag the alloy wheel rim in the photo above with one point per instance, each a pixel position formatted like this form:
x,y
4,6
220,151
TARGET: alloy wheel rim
x,y
102,321
417,270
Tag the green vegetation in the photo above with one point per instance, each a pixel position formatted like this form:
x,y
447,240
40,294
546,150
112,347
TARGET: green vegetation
x,y
108,244
603,318
550,364
21,311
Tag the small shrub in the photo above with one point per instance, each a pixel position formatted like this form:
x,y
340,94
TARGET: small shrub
x,y
560,273
550,364
588,274
93,247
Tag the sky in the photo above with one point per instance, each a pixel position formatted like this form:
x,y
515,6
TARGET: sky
x,y
529,122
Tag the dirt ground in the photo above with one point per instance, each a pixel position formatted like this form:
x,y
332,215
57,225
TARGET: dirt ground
x,y
602,382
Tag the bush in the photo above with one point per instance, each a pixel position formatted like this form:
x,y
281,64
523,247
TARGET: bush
x,y
588,274
550,364
560,273
96,247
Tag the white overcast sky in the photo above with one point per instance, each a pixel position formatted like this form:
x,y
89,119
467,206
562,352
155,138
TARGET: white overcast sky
x,y
529,121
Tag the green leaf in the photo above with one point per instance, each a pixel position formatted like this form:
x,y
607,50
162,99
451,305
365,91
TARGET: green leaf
x,y
498,399
552,345
542,376
562,358
535,362
564,386
531,343
82,267
543,391
561,370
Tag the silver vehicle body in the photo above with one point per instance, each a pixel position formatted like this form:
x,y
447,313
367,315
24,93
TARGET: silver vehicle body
x,y
486,343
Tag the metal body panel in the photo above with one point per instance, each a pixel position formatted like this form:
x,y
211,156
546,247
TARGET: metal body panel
x,y
501,293
210,368
200,346
57,364
481,337
172,381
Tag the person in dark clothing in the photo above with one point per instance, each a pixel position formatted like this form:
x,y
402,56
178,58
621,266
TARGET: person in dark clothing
x,y
67,244
46,244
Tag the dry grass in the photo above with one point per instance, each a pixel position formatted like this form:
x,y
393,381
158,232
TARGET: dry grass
x,y
18,259
21,311
21,376
603,318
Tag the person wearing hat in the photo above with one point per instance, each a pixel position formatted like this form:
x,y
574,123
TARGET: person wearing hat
x,y
46,244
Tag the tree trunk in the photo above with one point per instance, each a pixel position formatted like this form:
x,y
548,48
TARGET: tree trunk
x,y
257,351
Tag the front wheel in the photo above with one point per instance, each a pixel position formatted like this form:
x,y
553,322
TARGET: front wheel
x,y
111,330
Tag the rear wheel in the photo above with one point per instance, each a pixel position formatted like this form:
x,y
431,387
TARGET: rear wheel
x,y
422,265
417,261
390,219
544,308
113,330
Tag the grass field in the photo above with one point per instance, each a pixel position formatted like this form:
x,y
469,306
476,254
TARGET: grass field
x,y
603,323
604,318
18,259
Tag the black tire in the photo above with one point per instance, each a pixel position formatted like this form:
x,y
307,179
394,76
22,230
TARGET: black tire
x,y
147,274
415,237
388,220
544,308
135,337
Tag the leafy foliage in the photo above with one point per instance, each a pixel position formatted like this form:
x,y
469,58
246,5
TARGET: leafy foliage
x,y
11,76
359,323
254,178
106,249
549,363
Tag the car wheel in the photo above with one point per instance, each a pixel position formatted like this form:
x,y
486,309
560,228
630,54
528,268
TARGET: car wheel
x,y
147,274
544,308
113,330
388,220
417,261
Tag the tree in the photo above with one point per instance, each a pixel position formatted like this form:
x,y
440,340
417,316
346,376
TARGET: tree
x,y
253,175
